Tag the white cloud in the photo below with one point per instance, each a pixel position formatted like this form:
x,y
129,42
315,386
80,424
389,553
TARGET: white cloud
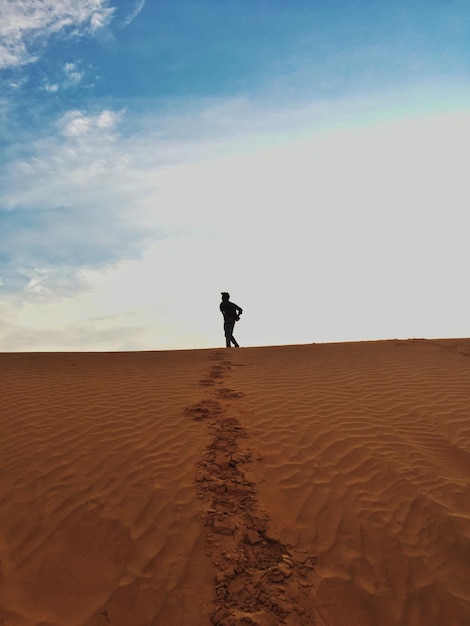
x,y
26,25
80,163
133,12
78,123
76,200
73,74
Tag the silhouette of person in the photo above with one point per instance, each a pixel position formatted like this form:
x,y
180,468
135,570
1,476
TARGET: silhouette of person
x,y
231,313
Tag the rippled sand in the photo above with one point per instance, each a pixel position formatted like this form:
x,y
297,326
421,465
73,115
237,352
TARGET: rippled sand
x,y
325,484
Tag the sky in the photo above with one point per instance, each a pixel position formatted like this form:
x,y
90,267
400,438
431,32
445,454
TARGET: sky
x,y
309,157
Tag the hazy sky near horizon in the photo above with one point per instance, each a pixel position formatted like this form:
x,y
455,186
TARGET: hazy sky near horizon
x,y
311,158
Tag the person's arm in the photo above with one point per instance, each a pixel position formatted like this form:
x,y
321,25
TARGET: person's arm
x,y
239,309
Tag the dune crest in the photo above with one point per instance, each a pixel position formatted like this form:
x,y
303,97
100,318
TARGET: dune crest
x,y
323,484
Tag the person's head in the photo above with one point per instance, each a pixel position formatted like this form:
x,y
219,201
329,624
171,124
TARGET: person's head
x,y
225,295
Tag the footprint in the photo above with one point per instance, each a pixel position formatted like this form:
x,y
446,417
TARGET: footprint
x,y
227,393
206,409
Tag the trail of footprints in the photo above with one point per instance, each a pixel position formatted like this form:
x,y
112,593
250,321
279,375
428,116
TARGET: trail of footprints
x,y
258,581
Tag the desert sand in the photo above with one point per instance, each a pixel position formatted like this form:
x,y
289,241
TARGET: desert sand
x,y
323,484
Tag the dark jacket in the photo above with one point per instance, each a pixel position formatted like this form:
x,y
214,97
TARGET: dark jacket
x,y
230,310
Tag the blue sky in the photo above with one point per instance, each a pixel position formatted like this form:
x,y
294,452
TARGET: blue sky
x,y
308,157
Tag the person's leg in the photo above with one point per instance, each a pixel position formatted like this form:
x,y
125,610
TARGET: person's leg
x,y
229,338
228,333
232,338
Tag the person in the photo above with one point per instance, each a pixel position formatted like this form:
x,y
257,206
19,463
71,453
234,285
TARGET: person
x,y
231,313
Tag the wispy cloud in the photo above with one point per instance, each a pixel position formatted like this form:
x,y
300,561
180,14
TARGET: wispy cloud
x,y
27,25
70,76
72,73
59,166
51,88
74,199
133,12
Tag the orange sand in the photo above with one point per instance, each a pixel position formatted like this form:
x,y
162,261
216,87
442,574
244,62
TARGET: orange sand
x,y
322,485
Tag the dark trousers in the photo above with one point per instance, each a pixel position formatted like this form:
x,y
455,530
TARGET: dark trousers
x,y
228,330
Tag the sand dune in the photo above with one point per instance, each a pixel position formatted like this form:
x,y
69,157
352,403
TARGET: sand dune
x,y
324,484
